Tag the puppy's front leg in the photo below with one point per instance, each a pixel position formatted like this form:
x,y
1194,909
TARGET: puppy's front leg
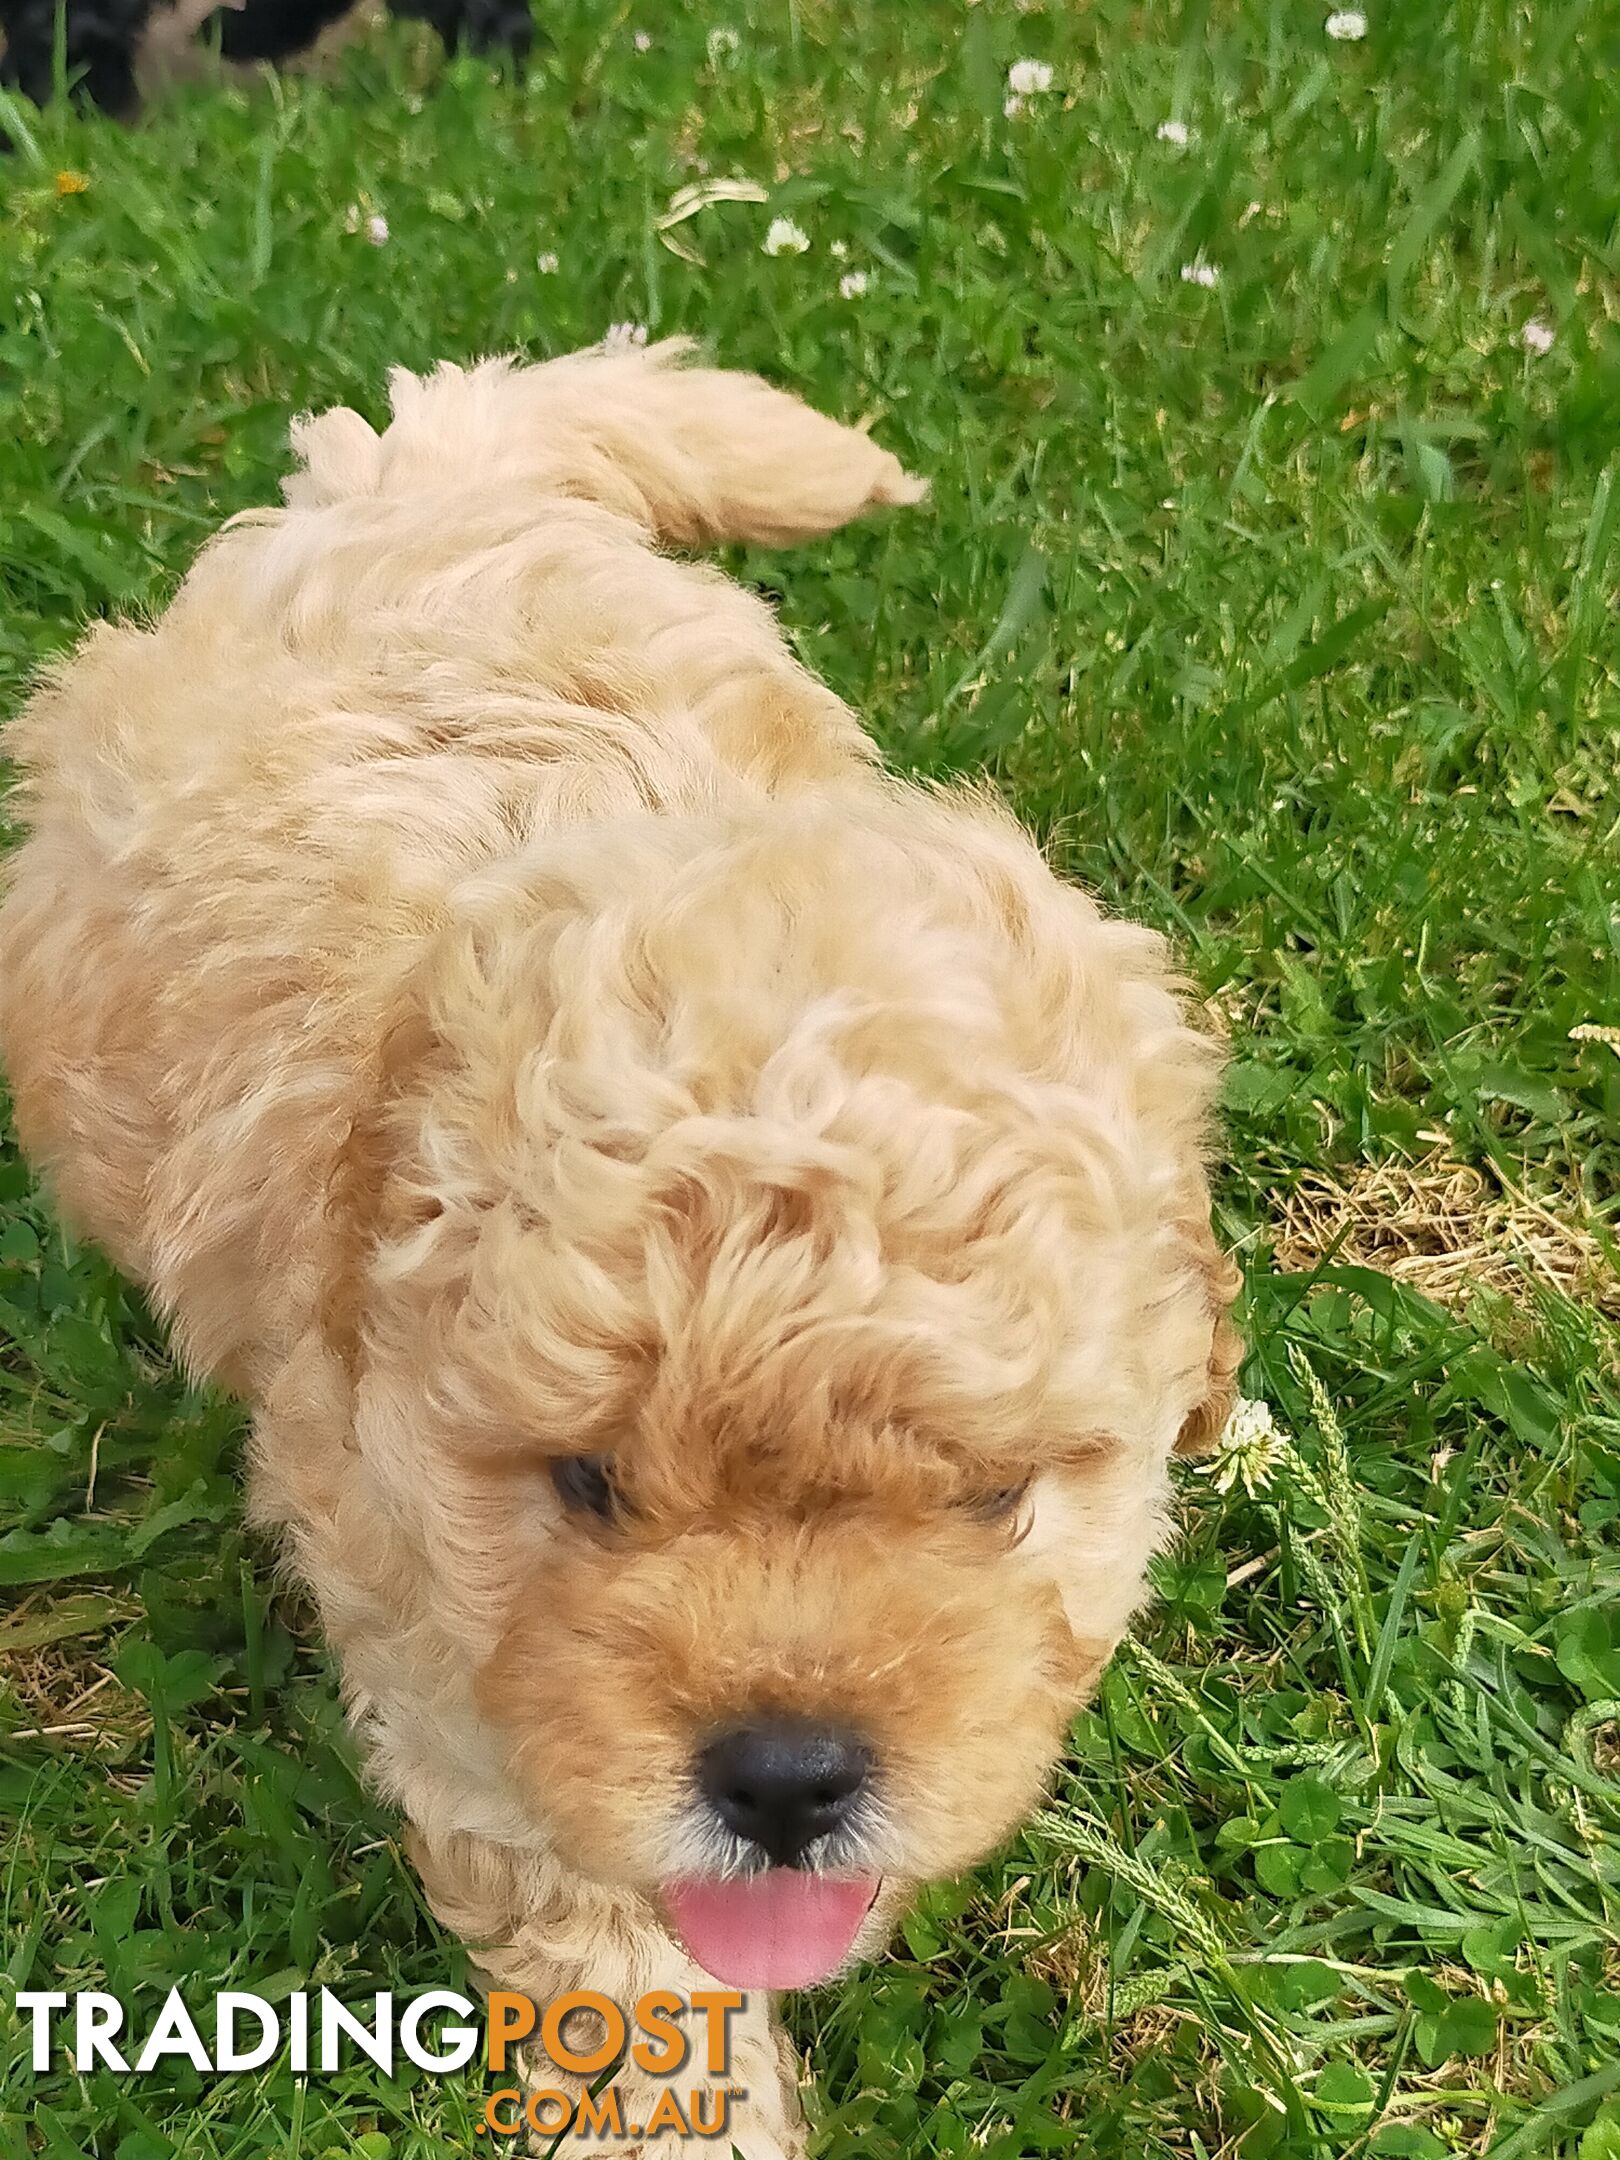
x,y
536,1929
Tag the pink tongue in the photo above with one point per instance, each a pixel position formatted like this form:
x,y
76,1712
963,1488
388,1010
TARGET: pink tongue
x,y
782,1929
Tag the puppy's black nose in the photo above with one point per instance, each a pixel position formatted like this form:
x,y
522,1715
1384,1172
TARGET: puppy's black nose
x,y
784,1784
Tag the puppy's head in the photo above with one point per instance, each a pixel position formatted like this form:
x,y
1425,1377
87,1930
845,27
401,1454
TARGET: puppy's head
x,y
783,1309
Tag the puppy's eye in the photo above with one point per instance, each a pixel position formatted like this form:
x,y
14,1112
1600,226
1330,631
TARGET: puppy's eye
x,y
997,1506
584,1484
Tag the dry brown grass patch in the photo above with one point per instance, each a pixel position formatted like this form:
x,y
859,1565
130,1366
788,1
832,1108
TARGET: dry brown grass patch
x,y
1447,1228
57,1686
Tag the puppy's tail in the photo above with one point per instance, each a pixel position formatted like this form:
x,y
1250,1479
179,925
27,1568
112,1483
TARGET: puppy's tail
x,y
698,455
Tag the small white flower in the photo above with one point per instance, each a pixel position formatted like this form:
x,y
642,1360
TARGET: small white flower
x,y
546,264
1536,337
1028,78
377,231
723,44
624,337
1348,25
642,41
838,249
1250,1452
1013,107
853,284
1174,131
1200,273
783,237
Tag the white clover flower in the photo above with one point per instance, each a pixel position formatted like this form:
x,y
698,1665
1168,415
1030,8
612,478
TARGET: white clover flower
x,y
1536,337
838,249
1013,107
1200,272
723,44
642,41
1174,131
783,237
853,284
1250,1451
1028,78
546,263
1348,25
377,231
624,337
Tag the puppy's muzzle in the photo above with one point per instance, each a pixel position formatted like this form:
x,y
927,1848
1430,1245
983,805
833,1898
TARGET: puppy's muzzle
x,y
783,1785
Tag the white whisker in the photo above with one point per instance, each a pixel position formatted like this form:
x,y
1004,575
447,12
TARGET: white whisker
x,y
698,1843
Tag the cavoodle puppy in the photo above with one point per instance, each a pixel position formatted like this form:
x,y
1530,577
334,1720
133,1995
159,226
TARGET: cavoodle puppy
x,y
714,1238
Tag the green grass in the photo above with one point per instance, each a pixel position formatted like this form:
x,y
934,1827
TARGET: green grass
x,y
1285,607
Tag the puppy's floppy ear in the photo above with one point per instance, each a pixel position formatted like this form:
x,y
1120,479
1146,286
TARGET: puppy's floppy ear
x,y
357,1187
1222,1279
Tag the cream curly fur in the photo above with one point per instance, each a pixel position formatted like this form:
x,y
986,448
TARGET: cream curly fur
x,y
488,992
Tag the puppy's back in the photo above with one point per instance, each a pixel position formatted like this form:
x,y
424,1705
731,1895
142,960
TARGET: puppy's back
x,y
242,824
